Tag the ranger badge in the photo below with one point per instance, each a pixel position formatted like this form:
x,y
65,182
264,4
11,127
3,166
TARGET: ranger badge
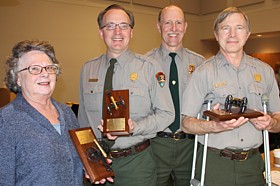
x,y
161,78
133,76
257,77
191,68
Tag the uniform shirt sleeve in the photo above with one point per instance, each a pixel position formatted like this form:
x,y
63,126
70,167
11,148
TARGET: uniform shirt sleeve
x,y
193,97
82,116
162,109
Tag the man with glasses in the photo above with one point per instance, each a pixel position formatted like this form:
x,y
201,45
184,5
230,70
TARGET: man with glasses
x,y
233,156
150,105
173,148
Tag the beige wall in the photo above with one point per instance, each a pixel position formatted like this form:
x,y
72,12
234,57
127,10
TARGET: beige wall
x,y
70,26
264,17
71,29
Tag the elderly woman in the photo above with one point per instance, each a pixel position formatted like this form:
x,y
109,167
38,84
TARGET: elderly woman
x,y
35,147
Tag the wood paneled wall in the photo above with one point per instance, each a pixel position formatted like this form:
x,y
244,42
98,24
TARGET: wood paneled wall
x,y
270,58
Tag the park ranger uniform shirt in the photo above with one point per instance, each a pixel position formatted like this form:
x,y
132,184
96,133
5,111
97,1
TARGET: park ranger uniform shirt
x,y
150,104
252,79
186,60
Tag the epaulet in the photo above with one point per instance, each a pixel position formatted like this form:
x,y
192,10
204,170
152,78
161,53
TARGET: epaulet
x,y
194,53
94,59
254,59
145,59
257,61
151,52
141,57
209,60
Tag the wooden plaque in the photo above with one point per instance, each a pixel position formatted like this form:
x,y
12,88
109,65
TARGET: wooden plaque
x,y
116,112
222,115
85,142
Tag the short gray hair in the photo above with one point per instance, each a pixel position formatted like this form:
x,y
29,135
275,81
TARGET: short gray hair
x,y
18,51
229,11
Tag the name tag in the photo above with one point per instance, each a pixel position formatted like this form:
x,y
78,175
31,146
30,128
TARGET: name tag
x,y
93,80
221,84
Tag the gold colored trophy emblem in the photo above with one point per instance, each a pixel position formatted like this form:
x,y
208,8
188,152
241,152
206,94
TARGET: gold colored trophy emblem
x,y
116,112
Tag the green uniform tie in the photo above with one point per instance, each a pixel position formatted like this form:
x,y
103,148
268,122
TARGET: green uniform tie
x,y
174,90
108,85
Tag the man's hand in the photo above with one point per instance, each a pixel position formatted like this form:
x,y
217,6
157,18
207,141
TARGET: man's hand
x,y
262,122
131,126
110,179
230,124
109,136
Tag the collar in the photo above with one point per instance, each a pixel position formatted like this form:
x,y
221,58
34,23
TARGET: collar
x,y
245,61
165,53
124,58
22,105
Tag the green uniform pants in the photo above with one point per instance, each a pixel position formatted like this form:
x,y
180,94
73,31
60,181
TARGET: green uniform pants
x,y
173,157
222,171
135,170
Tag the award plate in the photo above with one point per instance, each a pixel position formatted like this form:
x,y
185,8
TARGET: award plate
x,y
91,154
222,115
116,112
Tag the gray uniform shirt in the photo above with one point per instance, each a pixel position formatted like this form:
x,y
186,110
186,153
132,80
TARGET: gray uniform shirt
x,y
186,60
252,79
150,104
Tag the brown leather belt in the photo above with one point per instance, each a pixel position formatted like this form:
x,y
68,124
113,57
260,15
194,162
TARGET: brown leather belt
x,y
234,155
132,150
175,136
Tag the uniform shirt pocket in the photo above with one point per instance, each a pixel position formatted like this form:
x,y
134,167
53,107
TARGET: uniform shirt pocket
x,y
222,92
138,102
93,97
256,91
256,88
186,80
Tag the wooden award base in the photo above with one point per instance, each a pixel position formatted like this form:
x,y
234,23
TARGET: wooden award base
x,y
116,112
85,142
222,115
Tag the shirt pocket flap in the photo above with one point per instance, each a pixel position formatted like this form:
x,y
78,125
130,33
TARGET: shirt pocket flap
x,y
137,97
256,88
93,97
222,92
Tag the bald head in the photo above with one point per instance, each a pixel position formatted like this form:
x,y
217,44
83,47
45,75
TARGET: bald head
x,y
172,26
170,8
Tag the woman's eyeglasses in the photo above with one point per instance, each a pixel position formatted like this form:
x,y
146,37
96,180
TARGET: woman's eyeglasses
x,y
37,69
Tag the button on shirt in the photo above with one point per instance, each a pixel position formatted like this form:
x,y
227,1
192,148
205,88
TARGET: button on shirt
x,y
150,105
252,79
184,59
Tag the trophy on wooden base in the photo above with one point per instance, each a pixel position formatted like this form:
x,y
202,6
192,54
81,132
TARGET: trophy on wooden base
x,y
233,113
116,112
91,154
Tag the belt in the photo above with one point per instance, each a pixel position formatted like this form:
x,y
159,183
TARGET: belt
x,y
175,136
234,155
132,150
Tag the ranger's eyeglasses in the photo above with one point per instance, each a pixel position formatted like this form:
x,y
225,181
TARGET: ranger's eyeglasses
x,y
112,26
